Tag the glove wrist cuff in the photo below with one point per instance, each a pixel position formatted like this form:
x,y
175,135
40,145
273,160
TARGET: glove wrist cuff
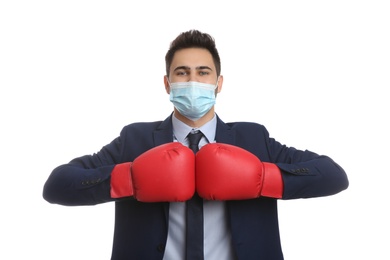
x,y
121,184
272,182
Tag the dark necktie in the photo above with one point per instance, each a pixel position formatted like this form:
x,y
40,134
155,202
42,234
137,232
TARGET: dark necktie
x,y
194,213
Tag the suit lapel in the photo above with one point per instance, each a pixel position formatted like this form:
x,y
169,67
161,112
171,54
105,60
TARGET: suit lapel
x,y
164,132
224,133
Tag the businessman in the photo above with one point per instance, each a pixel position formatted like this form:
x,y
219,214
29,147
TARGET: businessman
x,y
193,186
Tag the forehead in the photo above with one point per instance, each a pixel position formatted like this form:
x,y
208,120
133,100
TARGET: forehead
x,y
192,57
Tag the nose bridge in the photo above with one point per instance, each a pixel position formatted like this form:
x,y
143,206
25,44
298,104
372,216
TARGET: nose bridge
x,y
192,75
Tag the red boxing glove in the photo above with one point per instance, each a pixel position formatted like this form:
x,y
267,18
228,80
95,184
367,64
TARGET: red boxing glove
x,y
163,173
227,172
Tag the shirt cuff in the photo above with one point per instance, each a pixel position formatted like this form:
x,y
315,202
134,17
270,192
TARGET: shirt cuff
x,y
273,181
121,184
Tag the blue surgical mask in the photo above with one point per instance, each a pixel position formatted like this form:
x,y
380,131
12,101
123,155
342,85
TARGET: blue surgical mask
x,y
192,99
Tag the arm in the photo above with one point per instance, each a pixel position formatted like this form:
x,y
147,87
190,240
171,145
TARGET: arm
x,y
84,180
307,175
162,173
260,166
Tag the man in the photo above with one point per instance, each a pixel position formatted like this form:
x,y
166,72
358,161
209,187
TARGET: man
x,y
238,174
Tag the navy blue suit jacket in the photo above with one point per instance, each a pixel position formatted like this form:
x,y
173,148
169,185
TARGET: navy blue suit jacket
x,y
141,228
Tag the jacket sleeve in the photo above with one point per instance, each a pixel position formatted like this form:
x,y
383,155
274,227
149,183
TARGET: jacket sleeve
x,y
306,174
84,180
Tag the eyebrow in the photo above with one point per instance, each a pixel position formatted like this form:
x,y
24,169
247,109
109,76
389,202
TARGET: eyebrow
x,y
188,68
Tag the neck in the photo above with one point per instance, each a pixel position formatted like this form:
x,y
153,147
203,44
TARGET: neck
x,y
198,123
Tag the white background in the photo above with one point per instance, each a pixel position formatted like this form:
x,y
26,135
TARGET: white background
x,y
315,73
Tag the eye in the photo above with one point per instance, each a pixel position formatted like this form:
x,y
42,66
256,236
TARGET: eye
x,y
204,73
181,73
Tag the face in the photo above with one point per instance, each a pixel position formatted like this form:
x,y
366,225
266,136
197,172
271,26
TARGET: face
x,y
193,64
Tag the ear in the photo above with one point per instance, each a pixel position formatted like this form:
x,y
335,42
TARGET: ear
x,y
220,82
166,83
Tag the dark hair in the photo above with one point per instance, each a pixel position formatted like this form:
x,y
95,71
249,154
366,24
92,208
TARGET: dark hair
x,y
193,39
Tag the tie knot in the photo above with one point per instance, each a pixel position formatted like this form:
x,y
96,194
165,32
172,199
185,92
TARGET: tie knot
x,y
194,139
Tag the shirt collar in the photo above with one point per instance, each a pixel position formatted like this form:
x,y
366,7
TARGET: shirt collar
x,y
181,130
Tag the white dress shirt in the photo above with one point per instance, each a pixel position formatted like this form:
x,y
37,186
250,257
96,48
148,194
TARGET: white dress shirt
x,y
217,236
